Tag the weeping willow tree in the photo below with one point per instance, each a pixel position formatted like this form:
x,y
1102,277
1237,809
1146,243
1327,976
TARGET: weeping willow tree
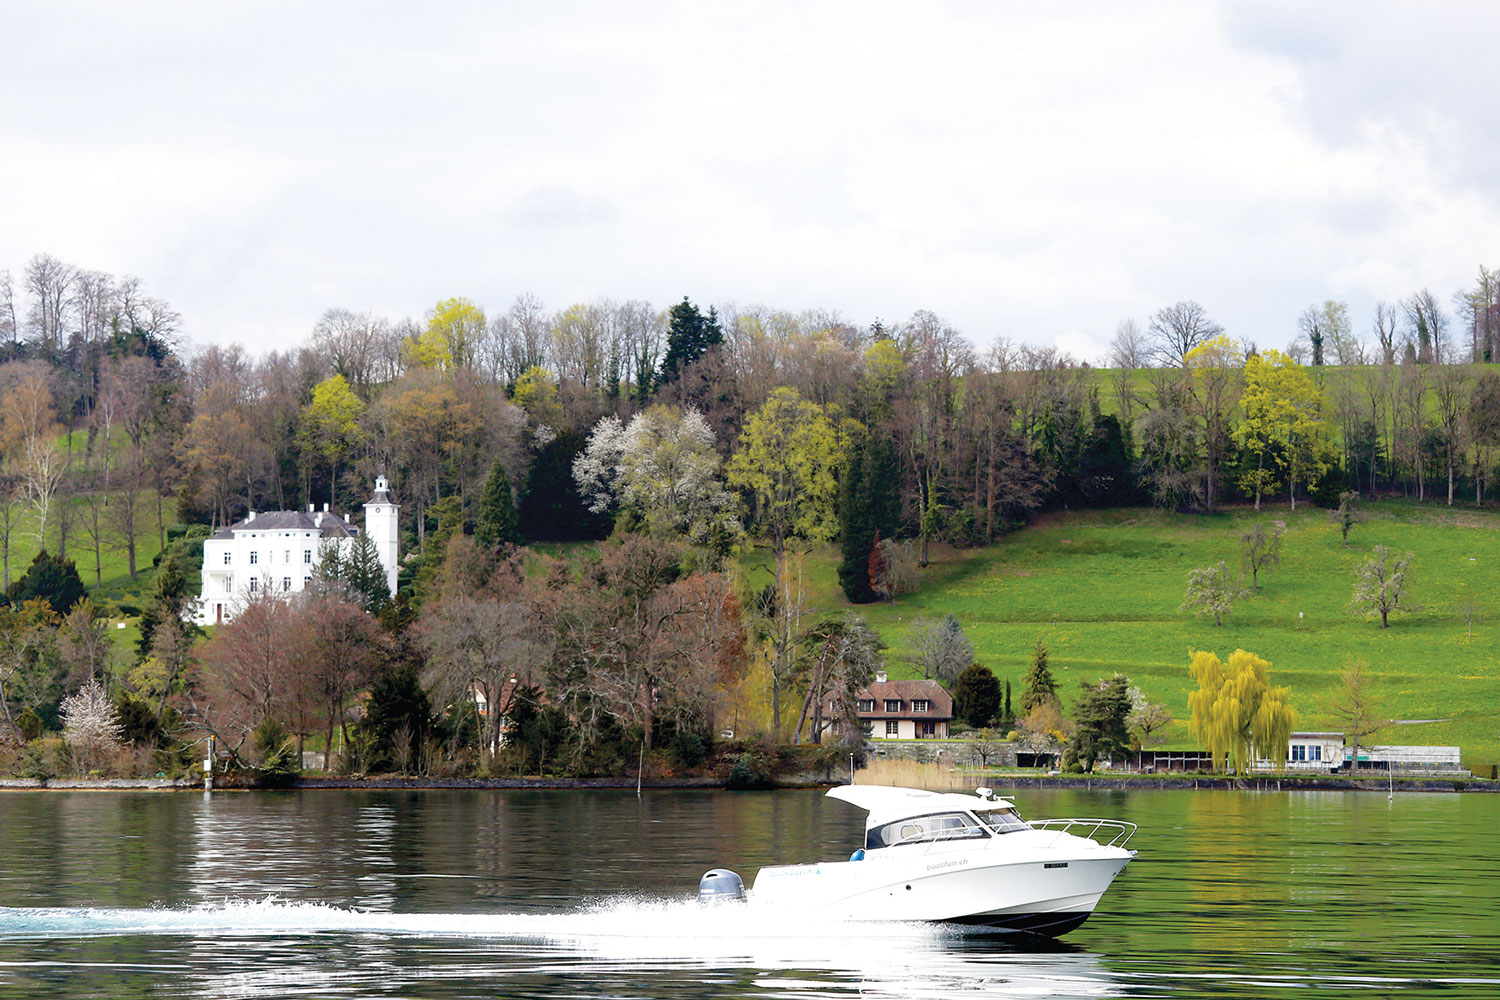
x,y
1236,711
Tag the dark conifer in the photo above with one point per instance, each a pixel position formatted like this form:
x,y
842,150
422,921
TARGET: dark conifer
x,y
690,335
496,522
1041,687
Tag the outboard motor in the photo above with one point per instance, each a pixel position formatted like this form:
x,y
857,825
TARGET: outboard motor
x,y
719,886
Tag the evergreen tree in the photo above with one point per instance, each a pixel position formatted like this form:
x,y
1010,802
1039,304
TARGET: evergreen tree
x,y
870,507
1041,688
690,335
976,695
50,578
364,574
855,531
551,508
398,709
496,523
1009,718
1099,718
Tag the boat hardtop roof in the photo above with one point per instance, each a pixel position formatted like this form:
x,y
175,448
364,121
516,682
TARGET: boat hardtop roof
x,y
886,803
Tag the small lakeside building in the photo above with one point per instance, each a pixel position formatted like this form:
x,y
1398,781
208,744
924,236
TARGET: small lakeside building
x,y
1326,753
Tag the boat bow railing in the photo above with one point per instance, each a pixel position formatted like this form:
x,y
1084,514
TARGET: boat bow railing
x,y
1117,830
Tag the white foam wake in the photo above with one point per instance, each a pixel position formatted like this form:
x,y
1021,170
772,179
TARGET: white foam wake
x,y
639,920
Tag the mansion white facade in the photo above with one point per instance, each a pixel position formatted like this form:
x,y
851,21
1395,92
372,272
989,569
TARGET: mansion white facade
x,y
278,552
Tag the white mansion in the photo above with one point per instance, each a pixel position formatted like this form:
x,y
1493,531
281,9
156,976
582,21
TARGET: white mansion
x,y
278,551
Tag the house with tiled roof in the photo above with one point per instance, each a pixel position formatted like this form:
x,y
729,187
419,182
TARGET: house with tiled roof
x,y
905,710
279,551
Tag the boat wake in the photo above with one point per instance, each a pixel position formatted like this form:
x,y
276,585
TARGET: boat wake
x,y
639,920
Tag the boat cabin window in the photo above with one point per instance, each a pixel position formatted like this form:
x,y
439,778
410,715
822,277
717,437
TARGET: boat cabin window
x,y
1004,820
925,830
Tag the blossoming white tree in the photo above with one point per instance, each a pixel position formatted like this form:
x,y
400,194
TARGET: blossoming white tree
x,y
90,725
663,467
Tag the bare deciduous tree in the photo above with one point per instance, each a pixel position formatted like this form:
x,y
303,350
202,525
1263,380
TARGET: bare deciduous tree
x,y
1177,329
1355,709
1260,549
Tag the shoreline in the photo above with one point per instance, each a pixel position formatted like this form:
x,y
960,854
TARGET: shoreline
x,y
998,782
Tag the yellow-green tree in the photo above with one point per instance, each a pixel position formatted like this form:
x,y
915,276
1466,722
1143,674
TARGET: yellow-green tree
x,y
454,327
1282,424
331,424
786,462
536,393
1237,713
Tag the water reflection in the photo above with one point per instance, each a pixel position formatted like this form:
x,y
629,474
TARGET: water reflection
x,y
557,894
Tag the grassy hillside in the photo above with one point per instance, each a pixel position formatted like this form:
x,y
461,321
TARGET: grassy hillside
x,y
1102,590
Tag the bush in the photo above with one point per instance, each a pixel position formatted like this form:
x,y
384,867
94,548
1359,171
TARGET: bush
x,y
43,759
745,773
32,726
688,749
277,754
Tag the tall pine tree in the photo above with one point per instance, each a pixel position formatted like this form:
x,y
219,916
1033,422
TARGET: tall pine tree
x,y
855,531
869,508
690,335
496,522
1041,687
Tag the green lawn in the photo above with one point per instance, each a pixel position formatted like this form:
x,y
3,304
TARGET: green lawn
x,y
114,568
1102,590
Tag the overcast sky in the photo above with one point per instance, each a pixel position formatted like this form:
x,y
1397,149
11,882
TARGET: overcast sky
x,y
1033,171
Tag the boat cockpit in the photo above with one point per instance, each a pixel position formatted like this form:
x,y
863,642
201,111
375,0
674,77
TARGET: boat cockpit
x,y
943,826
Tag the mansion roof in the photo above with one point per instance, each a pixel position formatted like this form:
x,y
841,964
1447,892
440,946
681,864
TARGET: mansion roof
x,y
326,525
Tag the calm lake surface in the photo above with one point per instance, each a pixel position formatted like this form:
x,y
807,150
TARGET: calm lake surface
x,y
589,894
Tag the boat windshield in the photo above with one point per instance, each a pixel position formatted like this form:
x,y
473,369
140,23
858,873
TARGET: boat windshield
x,y
1003,820
926,829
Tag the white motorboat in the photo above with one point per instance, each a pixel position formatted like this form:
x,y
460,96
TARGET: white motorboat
x,y
952,858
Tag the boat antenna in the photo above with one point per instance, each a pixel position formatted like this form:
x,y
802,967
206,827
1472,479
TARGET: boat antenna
x,y
851,769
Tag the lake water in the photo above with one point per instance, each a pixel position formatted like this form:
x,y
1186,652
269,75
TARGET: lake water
x,y
590,894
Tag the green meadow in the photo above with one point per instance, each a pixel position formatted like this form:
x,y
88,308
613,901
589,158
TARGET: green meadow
x,y
1101,589
109,580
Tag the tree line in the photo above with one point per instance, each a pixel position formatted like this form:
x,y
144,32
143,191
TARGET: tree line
x,y
694,431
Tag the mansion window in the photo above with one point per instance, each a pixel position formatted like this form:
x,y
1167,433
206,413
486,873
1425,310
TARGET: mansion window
x,y
867,704
287,556
893,704
286,583
919,705
1307,752
892,727
228,586
227,558
307,556
254,558
254,585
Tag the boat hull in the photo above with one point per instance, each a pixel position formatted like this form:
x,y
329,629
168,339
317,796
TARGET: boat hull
x,y
1042,894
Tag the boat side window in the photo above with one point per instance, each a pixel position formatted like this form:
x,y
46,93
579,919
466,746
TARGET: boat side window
x,y
1004,820
925,829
